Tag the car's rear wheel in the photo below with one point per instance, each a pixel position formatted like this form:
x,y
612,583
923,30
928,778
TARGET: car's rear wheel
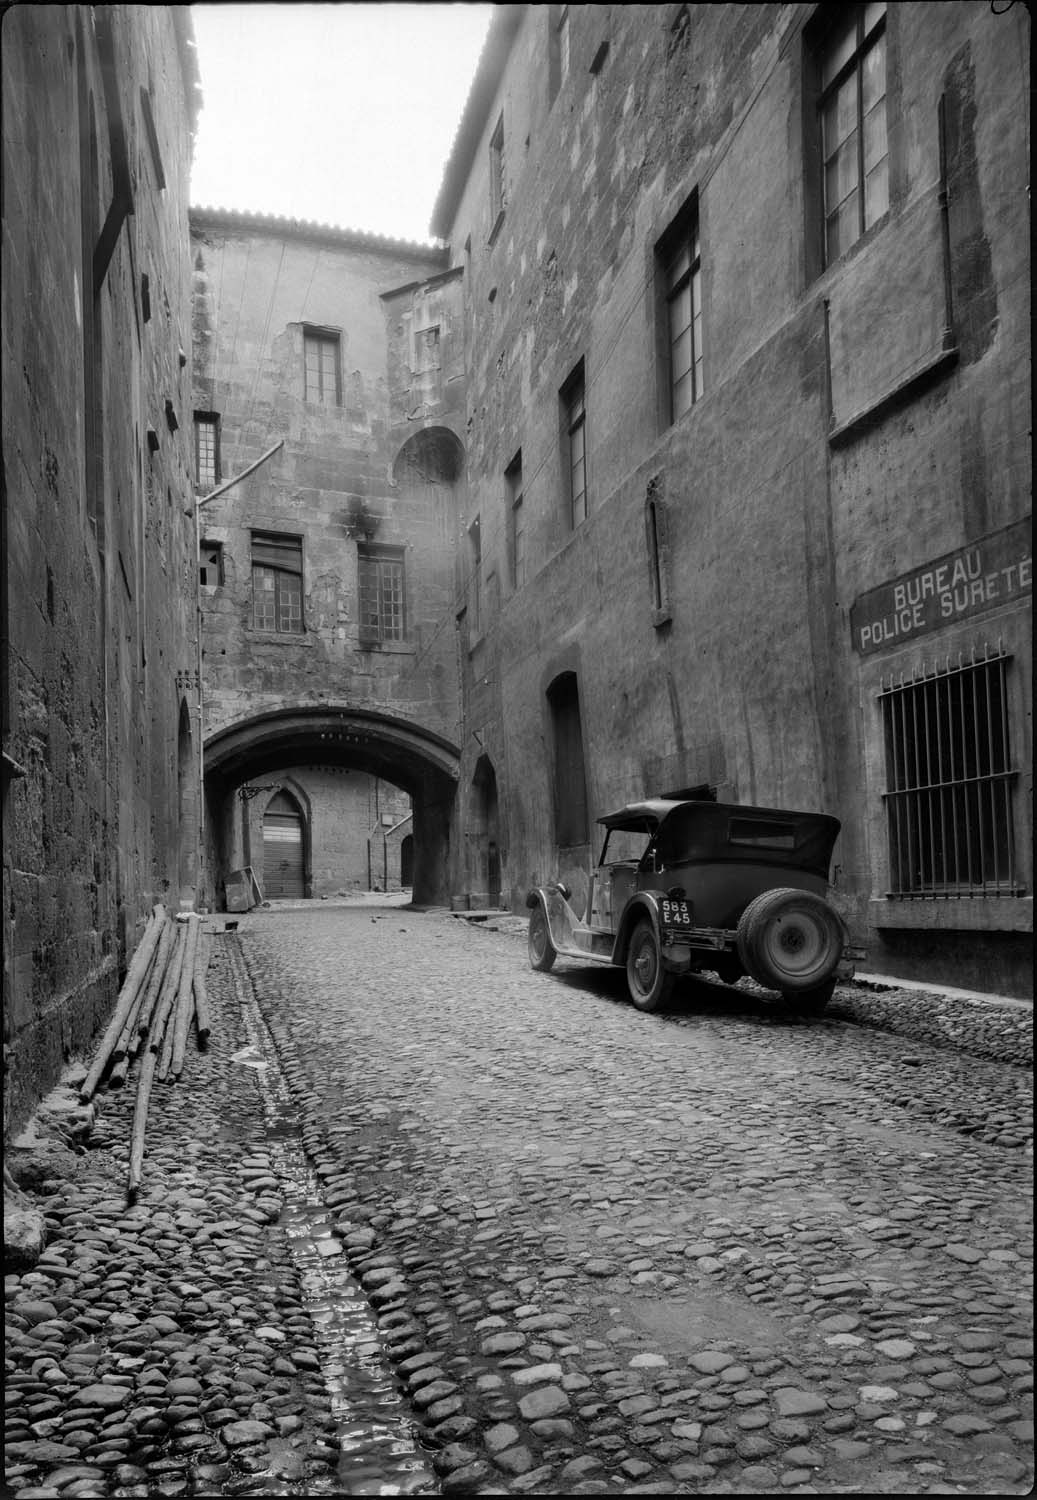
x,y
542,952
810,1002
790,941
650,985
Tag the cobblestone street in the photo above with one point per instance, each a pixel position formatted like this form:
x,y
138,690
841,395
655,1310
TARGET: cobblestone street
x,y
718,1250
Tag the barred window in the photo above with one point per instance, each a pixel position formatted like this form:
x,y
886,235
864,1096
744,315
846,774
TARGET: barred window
x,y
950,781
277,582
381,583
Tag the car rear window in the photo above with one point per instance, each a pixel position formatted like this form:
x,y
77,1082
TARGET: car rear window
x,y
762,833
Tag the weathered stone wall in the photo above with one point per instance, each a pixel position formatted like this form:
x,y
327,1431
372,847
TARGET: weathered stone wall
x,y
848,431
99,648
382,466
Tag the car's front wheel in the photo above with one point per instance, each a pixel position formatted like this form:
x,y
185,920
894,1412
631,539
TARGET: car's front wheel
x,y
790,941
542,952
650,985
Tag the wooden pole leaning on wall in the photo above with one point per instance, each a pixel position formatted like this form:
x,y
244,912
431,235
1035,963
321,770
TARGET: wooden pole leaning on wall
x,y
158,974
185,999
131,987
169,989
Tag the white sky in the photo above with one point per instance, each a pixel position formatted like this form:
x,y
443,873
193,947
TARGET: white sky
x,y
341,113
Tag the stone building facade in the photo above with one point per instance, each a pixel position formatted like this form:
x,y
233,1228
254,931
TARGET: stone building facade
x,y
328,572
747,355
100,647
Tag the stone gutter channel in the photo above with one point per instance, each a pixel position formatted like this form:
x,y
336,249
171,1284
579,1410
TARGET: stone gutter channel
x,y
378,1452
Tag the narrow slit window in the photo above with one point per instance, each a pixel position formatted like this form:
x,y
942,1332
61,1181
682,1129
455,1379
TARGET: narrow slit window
x,y
516,521
680,259
574,418
207,450
321,361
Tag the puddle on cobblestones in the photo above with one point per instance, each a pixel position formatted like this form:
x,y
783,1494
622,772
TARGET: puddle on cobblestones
x,y
378,1451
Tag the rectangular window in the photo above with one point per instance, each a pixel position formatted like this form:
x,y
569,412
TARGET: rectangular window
x,y
680,257
574,426
206,450
516,521
277,582
496,174
210,564
321,351
426,349
854,148
949,782
381,587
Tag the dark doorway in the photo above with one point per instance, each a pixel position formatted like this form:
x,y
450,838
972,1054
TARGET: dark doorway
x,y
283,862
407,861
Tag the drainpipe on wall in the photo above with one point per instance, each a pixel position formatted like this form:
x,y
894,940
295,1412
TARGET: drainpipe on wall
x,y
204,500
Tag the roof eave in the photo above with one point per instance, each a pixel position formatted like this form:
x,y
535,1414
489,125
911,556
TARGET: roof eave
x,y
488,73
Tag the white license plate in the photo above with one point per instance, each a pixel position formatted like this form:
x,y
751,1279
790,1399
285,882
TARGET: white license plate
x,y
675,913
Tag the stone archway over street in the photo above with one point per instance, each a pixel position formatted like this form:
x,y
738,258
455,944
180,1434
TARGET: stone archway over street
x,y
420,762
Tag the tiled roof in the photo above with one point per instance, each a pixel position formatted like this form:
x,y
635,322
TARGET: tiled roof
x,y
205,217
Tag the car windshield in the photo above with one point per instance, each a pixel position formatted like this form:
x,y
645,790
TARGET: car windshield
x,y
625,844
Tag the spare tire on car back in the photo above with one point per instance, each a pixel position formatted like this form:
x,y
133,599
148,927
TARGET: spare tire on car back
x,y
790,940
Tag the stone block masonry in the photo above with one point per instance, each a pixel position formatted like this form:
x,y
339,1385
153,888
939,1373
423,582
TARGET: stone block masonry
x,y
99,693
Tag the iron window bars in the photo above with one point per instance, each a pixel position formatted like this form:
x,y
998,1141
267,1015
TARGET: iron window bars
x,y
949,779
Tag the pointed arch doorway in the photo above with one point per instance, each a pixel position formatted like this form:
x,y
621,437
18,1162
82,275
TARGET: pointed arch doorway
x,y
284,865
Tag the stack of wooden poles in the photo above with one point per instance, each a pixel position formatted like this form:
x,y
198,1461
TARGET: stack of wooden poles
x,y
164,991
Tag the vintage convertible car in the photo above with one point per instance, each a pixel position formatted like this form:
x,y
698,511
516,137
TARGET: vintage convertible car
x,y
689,884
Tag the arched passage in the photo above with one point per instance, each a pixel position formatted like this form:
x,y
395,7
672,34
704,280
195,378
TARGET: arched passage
x,y
421,763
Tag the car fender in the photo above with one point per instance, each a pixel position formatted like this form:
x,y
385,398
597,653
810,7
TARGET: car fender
x,y
561,919
644,904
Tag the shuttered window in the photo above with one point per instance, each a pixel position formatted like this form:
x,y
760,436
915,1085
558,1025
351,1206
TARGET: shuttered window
x,y
277,582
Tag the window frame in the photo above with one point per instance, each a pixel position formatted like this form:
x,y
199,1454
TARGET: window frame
x,y
498,196
515,495
573,395
316,336
377,559
206,544
207,420
865,39
681,239
285,548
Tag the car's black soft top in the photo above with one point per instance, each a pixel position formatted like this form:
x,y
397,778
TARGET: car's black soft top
x,y
691,830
